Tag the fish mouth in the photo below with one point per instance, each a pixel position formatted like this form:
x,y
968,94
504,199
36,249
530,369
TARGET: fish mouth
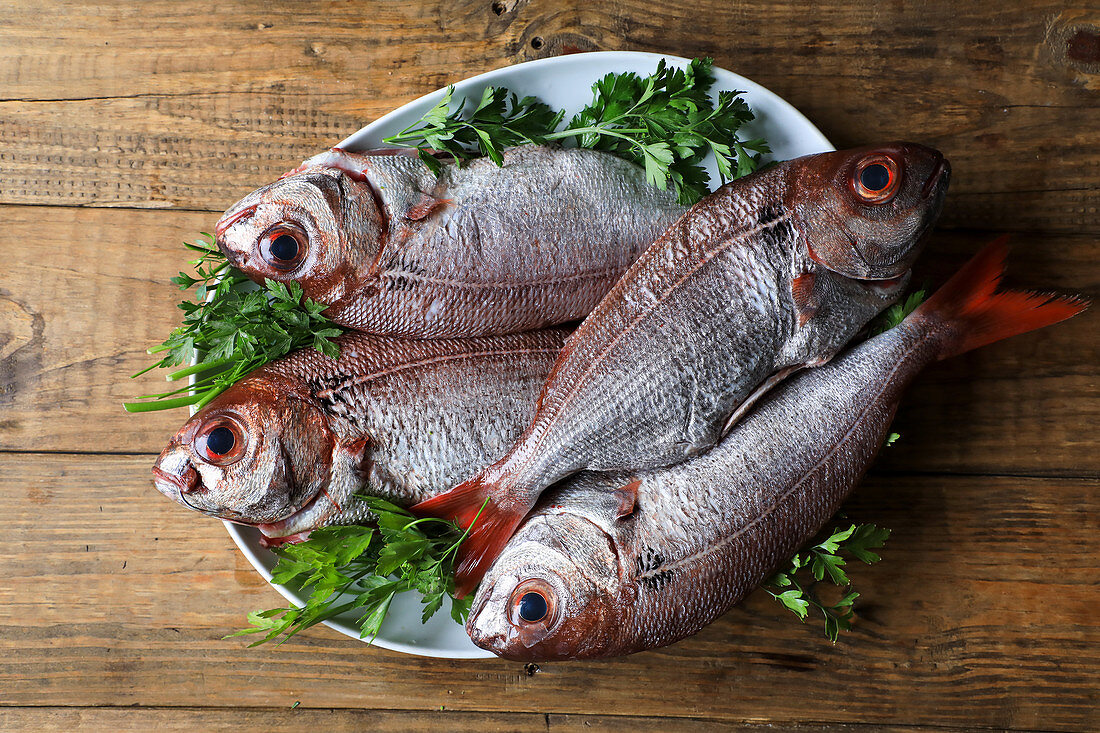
x,y
184,483
278,528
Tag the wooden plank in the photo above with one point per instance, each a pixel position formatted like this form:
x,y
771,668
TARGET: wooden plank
x,y
62,719
86,292
177,115
981,614
65,719
943,53
81,298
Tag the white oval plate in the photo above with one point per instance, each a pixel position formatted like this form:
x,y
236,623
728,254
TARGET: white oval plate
x,y
563,82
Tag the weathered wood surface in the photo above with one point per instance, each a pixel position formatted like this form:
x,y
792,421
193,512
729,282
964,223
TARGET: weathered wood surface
x,y
982,610
100,107
49,720
125,127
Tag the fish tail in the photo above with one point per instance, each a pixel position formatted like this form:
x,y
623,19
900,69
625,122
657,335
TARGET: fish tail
x,y
488,525
975,314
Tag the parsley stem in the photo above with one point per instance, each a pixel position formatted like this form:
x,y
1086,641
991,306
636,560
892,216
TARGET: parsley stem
x,y
160,404
197,368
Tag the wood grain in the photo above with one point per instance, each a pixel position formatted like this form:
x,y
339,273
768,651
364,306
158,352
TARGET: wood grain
x,y
49,720
113,112
126,126
980,614
87,292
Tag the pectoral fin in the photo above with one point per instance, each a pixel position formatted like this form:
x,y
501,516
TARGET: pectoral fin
x,y
423,207
357,453
805,300
628,498
760,391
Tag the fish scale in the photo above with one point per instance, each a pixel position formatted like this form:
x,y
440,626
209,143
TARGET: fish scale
x,y
398,418
705,533
478,250
704,322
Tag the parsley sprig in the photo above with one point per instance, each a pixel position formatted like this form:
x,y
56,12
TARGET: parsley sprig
x,y
665,122
500,119
795,584
361,570
232,329
898,312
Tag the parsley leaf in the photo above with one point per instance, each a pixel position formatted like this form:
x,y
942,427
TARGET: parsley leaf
x,y
498,120
898,312
233,329
797,593
668,123
665,122
361,569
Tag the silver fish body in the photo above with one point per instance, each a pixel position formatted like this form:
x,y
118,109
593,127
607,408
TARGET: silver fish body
x,y
738,293
478,250
616,579
398,418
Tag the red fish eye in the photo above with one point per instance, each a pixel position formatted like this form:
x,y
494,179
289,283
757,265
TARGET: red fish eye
x,y
283,246
875,179
533,601
220,441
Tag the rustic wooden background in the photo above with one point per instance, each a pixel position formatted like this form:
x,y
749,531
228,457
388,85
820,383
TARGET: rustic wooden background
x,y
126,127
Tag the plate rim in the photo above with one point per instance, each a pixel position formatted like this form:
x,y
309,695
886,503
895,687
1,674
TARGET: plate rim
x,y
356,139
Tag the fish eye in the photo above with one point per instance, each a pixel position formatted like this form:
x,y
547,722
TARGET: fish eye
x,y
876,179
220,441
283,246
533,601
532,607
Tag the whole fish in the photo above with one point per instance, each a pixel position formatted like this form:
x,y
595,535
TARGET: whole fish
x,y
771,273
479,250
589,575
289,446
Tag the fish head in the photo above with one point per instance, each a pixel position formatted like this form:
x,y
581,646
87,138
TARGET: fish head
x,y
865,211
552,594
256,454
319,227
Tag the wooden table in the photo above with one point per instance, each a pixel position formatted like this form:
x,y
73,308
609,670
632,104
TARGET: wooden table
x,y
126,127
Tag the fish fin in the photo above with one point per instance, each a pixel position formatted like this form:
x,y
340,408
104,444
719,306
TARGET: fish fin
x,y
976,315
759,392
628,498
424,207
290,539
802,293
356,449
350,163
468,504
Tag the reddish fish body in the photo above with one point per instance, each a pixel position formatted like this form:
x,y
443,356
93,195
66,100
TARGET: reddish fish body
x,y
289,446
771,273
706,532
479,250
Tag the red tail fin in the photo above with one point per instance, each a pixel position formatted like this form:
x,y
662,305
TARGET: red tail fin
x,y
976,314
492,530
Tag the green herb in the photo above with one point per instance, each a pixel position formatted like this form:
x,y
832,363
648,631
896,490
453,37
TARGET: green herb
x,y
665,122
792,586
898,312
499,120
361,570
232,329
892,438
668,123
